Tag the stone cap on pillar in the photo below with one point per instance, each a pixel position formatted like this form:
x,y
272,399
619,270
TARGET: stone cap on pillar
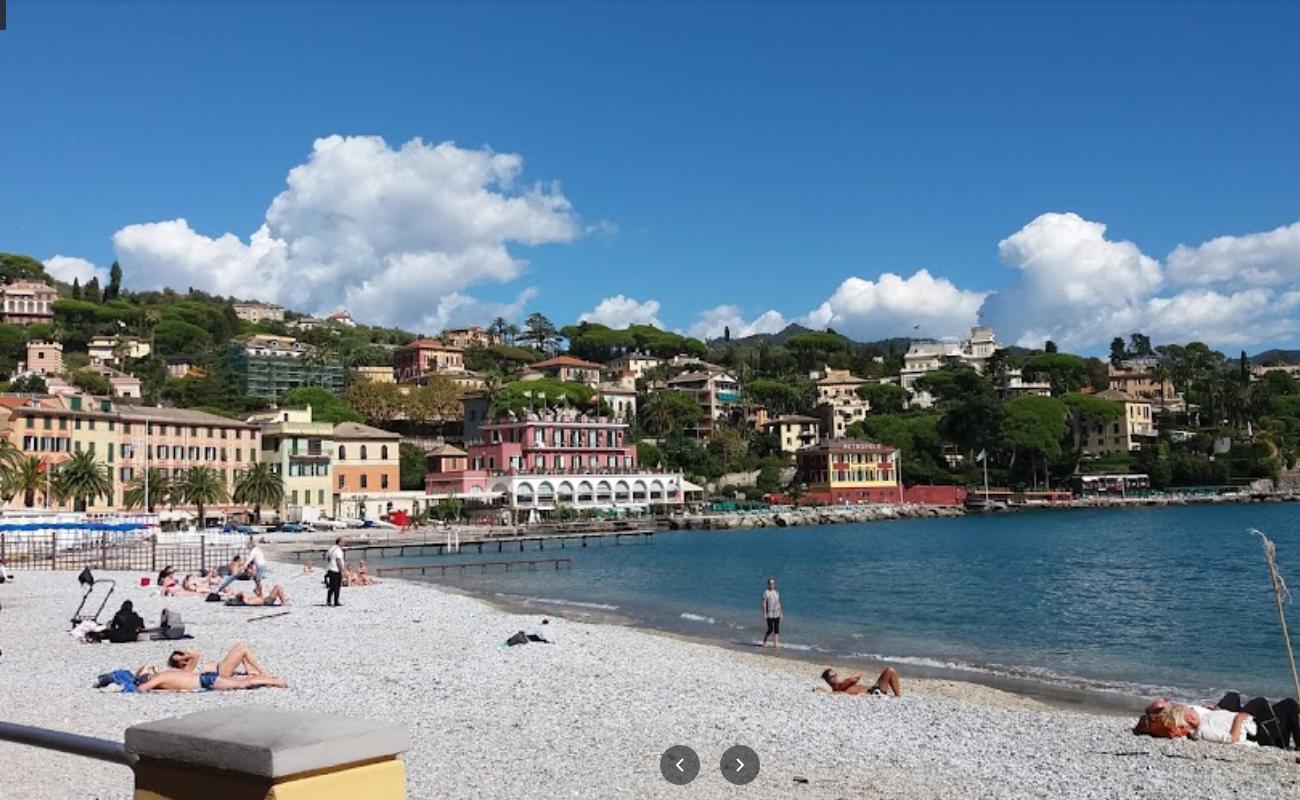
x,y
266,742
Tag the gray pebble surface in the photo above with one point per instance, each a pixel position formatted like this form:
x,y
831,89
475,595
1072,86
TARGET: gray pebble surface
x,y
584,718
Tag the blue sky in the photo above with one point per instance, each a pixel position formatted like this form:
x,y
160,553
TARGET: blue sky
x,y
769,158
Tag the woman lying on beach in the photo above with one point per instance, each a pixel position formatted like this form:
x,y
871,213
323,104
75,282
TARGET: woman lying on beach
x,y
886,683
277,597
175,680
188,586
238,659
1226,722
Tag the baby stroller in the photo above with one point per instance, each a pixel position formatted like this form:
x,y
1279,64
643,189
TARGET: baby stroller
x,y
88,580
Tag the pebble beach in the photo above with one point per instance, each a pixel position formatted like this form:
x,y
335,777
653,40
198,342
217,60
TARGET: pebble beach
x,y
587,717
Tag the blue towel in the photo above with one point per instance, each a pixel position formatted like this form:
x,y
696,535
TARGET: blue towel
x,y
122,677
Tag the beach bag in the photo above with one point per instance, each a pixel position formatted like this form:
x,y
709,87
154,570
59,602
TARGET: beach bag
x,y
518,638
171,625
213,597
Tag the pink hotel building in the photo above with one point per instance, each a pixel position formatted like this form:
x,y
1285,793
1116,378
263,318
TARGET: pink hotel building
x,y
542,461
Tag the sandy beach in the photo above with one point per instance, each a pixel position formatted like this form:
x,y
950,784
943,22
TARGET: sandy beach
x,y
586,717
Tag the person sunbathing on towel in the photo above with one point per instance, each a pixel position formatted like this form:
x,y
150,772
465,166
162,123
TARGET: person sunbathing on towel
x,y
276,597
852,684
1228,722
239,659
175,680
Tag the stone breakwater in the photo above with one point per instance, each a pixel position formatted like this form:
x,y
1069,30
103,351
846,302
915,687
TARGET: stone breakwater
x,y
810,515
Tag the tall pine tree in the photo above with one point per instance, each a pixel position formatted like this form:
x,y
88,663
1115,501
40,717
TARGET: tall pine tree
x,y
114,287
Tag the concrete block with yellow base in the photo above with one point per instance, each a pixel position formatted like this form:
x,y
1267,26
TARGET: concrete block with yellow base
x,y
267,754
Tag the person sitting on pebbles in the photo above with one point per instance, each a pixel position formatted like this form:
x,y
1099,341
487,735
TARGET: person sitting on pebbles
x,y
852,684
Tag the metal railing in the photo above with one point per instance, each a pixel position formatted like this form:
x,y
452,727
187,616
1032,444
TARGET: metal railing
x,y
65,550
71,743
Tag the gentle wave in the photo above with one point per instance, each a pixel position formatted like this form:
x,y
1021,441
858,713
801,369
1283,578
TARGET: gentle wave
x,y
554,601
698,618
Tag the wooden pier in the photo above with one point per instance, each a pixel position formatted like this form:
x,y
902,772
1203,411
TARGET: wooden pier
x,y
394,547
442,568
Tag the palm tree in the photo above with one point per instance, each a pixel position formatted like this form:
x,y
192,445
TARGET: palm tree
x,y
26,477
159,490
260,486
82,479
202,486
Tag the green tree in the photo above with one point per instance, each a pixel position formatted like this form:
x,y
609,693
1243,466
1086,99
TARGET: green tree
x,y
884,398
1139,346
201,487
1034,426
76,288
1086,409
90,292
114,288
728,445
176,337
1065,372
325,405
520,396
15,267
648,455
1118,352
82,480
91,382
377,402
540,331
667,412
259,486
29,384
160,491
413,466
781,397
437,400
27,477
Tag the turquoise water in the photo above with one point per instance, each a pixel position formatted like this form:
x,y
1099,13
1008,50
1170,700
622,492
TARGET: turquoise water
x,y
1135,601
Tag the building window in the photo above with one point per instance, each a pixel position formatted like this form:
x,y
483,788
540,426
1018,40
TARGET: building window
x,y
364,483
343,481
363,452
383,452
383,481
293,497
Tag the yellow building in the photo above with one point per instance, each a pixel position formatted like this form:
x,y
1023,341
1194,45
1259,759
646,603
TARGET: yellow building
x,y
1121,435
794,431
849,471
301,451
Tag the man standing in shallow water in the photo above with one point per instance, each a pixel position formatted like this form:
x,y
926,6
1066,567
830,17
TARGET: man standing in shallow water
x,y
772,613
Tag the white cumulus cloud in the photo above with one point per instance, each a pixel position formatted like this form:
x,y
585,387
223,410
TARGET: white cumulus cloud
x,y
891,305
1270,258
70,268
620,311
1080,289
713,323
394,235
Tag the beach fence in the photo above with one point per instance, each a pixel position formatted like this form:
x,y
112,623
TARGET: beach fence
x,y
288,755
70,542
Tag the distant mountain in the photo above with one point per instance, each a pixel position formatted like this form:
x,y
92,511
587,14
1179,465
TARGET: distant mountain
x,y
783,335
1276,356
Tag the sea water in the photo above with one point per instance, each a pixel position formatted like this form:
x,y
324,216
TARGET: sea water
x,y
1136,601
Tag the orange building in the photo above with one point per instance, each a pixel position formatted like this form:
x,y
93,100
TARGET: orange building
x,y
366,465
